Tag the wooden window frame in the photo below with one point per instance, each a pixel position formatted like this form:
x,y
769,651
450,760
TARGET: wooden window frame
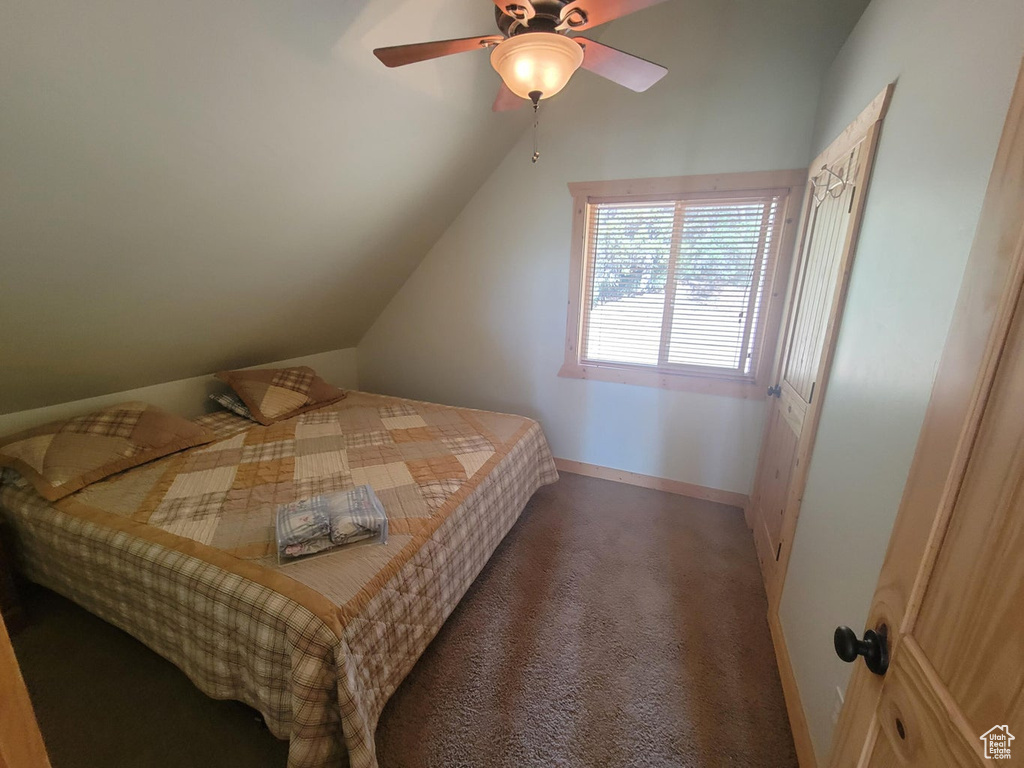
x,y
791,183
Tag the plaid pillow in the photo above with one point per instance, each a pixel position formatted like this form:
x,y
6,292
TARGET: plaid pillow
x,y
275,394
232,403
63,456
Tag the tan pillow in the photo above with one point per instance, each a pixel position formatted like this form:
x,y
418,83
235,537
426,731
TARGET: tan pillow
x,y
63,456
274,394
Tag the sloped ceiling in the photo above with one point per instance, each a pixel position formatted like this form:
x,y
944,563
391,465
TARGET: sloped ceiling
x,y
200,184
197,184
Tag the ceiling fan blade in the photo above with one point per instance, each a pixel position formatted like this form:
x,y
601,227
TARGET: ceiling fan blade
x,y
584,14
506,100
517,9
623,68
400,55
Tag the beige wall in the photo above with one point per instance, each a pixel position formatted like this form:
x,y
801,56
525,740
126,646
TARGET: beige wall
x,y
187,397
482,320
955,62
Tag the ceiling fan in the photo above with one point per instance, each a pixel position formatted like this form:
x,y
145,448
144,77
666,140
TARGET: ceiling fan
x,y
534,53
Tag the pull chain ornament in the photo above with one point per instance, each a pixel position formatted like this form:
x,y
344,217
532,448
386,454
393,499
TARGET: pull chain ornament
x,y
535,98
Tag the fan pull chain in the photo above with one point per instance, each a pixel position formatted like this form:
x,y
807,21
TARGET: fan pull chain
x,y
536,120
535,98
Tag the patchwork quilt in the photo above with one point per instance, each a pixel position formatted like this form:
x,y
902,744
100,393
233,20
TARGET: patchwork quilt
x,y
180,553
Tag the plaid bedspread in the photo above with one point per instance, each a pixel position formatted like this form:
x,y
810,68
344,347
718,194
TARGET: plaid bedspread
x,y
179,553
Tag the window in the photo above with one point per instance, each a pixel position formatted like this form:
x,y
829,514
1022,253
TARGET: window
x,y
673,280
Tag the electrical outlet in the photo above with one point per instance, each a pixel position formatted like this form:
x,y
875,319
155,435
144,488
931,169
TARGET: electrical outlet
x,y
838,706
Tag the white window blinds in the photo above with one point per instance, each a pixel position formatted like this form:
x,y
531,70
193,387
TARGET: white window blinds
x,y
677,284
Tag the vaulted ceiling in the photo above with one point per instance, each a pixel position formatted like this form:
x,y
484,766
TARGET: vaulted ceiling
x,y
201,184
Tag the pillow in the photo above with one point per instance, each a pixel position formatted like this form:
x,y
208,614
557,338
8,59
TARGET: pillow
x,y
275,394
233,403
63,456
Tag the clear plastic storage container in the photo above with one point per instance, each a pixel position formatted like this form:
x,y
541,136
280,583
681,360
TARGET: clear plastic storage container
x,y
324,523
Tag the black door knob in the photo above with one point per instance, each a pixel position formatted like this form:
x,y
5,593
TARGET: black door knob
x,y
874,648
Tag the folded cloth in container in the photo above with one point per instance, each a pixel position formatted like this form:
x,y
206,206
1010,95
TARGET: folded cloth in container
x,y
355,515
312,525
308,547
302,521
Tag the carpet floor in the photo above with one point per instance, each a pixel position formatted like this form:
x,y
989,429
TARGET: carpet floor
x,y
614,626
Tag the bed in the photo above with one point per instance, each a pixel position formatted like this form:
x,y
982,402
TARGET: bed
x,y
179,553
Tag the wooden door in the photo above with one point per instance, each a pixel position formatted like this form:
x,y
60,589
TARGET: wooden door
x,y
951,590
832,210
959,669
21,745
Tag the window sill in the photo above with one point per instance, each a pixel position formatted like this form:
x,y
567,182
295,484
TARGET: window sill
x,y
709,385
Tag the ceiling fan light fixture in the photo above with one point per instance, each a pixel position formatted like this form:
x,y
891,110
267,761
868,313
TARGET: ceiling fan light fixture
x,y
536,61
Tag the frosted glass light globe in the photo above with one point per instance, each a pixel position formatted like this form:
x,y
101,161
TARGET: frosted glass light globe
x,y
536,61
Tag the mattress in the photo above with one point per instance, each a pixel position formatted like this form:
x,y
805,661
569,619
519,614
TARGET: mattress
x,y
179,553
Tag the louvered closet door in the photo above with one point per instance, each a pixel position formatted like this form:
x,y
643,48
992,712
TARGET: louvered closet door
x,y
810,326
